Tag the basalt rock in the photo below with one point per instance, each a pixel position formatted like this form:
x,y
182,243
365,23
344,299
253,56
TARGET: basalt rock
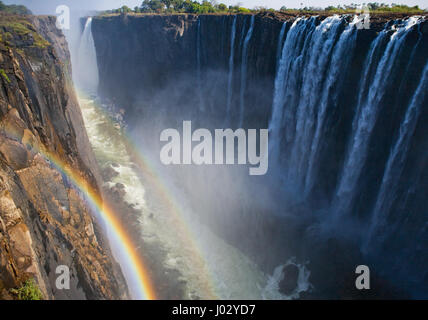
x,y
290,278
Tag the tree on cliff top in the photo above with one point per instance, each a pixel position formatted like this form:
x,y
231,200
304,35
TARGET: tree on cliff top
x,y
152,6
211,6
186,6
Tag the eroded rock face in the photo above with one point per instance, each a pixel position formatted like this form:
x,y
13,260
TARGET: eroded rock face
x,y
44,223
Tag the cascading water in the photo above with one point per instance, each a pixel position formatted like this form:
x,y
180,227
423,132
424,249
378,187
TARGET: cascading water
x,y
284,88
87,67
394,166
338,67
308,87
306,80
198,66
244,62
366,119
316,62
280,42
231,68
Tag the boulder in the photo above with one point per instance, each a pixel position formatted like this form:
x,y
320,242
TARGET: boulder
x,y
288,284
16,155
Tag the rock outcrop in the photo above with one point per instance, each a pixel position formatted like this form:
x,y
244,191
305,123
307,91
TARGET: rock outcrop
x,y
44,221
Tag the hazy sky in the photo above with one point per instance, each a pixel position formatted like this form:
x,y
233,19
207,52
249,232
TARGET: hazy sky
x,y
48,6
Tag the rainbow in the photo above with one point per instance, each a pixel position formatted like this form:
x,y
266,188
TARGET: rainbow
x,y
137,274
140,275
176,213
141,281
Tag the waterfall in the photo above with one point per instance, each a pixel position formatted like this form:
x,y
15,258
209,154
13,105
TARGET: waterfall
x,y
198,66
338,67
280,42
244,70
87,67
241,38
317,58
299,82
395,163
289,57
366,119
344,137
313,64
231,67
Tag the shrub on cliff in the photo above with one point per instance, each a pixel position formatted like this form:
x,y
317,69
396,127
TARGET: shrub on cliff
x,y
16,29
28,291
4,75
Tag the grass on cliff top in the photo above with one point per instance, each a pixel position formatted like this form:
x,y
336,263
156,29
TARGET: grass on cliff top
x,y
28,291
13,24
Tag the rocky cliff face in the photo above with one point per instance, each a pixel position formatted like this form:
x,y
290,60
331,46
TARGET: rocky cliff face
x,y
44,222
173,50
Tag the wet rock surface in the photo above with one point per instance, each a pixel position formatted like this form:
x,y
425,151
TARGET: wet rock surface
x,y
290,275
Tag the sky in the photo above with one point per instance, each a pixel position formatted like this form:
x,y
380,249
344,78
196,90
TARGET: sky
x,y
49,6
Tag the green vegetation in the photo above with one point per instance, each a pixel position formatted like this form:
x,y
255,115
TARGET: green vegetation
x,y
3,73
373,7
39,41
14,9
205,6
11,25
181,6
28,291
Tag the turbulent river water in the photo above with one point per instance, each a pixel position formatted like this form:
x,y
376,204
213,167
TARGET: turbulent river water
x,y
209,267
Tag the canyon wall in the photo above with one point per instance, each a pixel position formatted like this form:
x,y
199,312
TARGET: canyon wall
x,y
44,221
159,53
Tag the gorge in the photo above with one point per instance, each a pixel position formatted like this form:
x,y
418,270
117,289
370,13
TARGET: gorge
x,y
344,107
84,120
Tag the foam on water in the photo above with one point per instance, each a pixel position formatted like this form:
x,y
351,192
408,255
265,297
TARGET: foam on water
x,y
271,291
